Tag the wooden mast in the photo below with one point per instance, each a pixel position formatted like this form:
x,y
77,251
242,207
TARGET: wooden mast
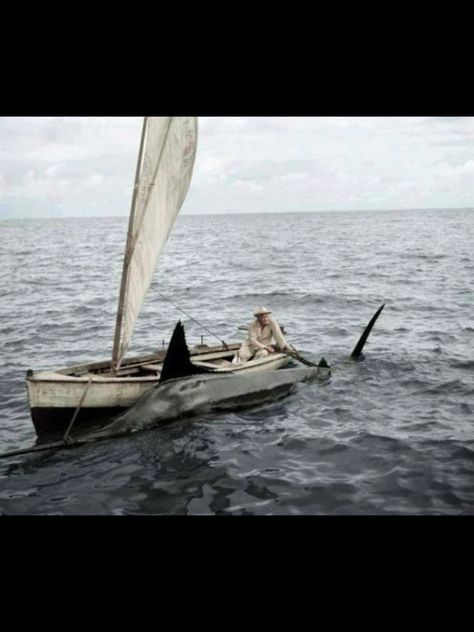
x,y
127,257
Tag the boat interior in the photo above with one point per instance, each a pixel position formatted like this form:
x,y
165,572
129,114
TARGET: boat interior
x,y
218,358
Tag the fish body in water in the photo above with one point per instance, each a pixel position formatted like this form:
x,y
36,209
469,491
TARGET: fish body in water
x,y
186,389
206,393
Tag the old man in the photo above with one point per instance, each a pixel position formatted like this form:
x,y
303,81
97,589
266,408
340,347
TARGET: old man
x,y
261,333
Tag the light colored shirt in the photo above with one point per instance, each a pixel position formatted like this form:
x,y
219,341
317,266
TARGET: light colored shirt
x,y
261,337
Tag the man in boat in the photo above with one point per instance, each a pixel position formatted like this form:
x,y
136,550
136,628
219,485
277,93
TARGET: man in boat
x,y
261,332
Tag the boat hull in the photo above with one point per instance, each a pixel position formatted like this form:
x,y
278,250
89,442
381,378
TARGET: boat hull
x,y
54,396
53,402
49,421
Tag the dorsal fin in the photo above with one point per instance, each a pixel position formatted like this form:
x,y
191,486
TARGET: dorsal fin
x,y
357,353
177,362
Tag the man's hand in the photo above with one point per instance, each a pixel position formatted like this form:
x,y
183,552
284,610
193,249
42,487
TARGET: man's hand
x,y
270,349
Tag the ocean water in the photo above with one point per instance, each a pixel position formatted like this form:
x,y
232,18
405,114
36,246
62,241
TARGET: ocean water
x,y
393,434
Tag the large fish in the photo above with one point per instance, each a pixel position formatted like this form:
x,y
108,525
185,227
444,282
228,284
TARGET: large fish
x,y
205,393
186,389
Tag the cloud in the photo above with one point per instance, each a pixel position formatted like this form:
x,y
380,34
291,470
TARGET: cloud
x,y
67,165
85,166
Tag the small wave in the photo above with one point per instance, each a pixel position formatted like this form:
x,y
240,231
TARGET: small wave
x,y
451,386
466,364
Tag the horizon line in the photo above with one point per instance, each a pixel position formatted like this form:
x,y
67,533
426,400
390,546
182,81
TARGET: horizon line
x,y
224,213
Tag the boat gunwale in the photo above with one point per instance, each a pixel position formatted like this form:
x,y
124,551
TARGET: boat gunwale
x,y
129,362
69,379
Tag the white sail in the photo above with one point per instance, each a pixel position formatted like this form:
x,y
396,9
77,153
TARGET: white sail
x,y
164,175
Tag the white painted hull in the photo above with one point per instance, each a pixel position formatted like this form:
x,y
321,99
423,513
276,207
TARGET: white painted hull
x,y
54,395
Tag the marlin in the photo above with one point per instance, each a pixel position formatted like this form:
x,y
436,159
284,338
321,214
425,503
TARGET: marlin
x,y
186,389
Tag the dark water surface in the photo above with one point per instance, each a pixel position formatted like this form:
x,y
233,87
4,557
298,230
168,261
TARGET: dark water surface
x,y
393,434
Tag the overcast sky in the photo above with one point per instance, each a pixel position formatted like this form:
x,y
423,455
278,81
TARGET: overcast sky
x,y
52,167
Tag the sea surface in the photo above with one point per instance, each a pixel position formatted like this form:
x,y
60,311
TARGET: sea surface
x,y
393,434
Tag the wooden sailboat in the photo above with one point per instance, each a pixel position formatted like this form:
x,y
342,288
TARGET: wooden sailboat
x,y
103,389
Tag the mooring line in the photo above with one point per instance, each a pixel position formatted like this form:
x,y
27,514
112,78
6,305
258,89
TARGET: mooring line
x,y
76,412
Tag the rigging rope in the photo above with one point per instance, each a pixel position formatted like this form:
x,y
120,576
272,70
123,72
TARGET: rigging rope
x,y
196,321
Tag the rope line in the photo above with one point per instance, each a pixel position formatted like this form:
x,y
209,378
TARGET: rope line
x,y
194,319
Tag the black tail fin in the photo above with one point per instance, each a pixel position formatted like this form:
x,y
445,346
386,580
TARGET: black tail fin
x,y
177,361
357,353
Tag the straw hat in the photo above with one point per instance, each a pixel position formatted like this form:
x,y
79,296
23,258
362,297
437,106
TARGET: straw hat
x,y
261,310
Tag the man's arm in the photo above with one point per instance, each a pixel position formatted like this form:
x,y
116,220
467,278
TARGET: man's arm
x,y
279,337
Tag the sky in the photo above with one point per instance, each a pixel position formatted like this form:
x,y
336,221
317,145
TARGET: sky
x,y
62,167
